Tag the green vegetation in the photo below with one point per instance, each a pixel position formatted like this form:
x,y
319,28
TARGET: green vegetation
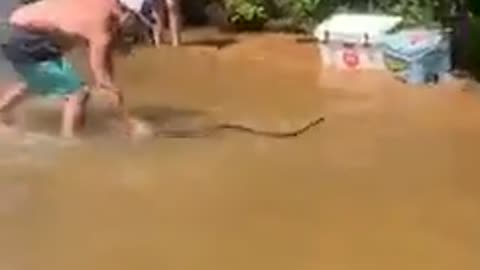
x,y
247,14
302,14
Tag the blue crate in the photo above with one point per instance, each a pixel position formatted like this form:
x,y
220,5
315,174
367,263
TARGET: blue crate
x,y
418,56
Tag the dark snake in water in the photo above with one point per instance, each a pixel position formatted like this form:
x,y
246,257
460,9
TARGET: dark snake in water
x,y
203,132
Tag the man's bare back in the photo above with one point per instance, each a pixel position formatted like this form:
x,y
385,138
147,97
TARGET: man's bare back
x,y
80,18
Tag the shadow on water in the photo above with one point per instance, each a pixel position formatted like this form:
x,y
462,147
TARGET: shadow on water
x,y
161,114
218,43
306,40
174,122
102,121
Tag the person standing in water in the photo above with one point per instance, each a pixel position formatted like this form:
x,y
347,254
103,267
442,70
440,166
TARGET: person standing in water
x,y
42,32
155,12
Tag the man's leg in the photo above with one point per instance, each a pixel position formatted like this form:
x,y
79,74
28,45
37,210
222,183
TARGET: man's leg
x,y
175,20
58,78
159,14
73,117
10,98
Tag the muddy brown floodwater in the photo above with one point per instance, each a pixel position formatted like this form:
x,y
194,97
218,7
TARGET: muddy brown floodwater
x,y
391,180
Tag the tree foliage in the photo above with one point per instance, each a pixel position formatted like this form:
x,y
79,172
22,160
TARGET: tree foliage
x,y
304,13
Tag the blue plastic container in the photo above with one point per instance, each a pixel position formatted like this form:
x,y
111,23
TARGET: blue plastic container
x,y
418,56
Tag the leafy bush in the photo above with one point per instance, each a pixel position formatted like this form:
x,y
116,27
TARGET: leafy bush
x,y
305,13
247,14
414,12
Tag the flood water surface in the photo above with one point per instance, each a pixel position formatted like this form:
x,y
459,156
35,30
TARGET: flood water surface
x,y
389,181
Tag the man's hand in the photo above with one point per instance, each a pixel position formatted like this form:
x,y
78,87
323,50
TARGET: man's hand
x,y
116,98
101,63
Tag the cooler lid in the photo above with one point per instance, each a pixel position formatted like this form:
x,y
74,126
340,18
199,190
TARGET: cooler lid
x,y
413,42
355,27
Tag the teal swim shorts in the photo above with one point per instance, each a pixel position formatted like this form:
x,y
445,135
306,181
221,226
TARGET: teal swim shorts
x,y
52,77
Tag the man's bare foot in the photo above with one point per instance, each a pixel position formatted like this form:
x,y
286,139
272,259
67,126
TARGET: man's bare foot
x,y
140,129
7,126
134,130
67,134
158,44
8,130
158,39
70,141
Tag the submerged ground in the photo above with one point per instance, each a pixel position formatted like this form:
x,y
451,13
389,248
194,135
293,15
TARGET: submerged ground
x,y
390,181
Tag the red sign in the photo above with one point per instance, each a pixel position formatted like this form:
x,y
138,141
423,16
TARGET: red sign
x,y
351,58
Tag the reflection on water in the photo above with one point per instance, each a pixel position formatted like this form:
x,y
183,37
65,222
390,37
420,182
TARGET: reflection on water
x,y
390,181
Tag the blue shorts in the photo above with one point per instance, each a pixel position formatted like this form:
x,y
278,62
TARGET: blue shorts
x,y
54,77
40,63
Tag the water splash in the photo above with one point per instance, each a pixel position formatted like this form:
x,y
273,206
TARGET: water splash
x,y
31,148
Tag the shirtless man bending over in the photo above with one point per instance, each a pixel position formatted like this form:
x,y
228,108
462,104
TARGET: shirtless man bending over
x,y
42,32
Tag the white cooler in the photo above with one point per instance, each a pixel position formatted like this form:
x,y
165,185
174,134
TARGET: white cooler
x,y
354,41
